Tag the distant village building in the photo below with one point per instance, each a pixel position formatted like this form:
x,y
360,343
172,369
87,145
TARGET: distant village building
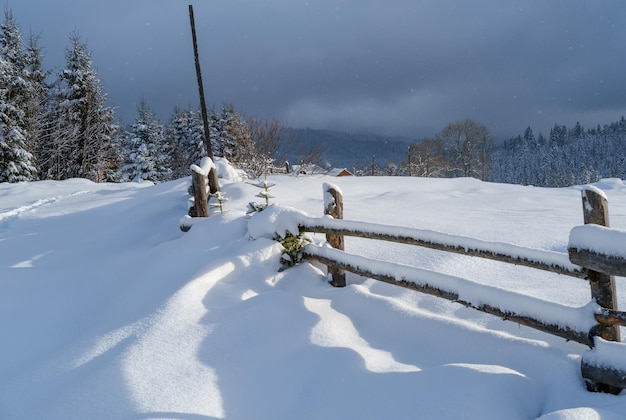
x,y
307,169
312,169
339,172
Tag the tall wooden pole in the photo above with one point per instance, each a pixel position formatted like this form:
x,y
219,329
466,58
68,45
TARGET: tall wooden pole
x,y
213,182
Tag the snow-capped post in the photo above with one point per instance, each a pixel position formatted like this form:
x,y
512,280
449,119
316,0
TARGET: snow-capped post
x,y
603,291
199,181
333,206
596,211
200,196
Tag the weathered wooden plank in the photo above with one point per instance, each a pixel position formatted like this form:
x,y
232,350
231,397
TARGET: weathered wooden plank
x,y
449,248
201,197
606,264
611,317
603,379
566,333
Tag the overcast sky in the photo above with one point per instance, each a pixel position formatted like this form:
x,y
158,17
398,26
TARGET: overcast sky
x,y
399,67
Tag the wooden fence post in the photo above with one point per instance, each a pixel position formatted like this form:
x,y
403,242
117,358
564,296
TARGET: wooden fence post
x,y
333,206
200,196
213,182
596,211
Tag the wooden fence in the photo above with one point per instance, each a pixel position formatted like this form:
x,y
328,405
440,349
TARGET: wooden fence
x,y
586,264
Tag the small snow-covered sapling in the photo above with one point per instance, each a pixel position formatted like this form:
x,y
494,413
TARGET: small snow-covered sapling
x,y
220,196
264,193
292,248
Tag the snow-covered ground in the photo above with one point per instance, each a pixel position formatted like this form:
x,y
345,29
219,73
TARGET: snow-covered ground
x,y
109,311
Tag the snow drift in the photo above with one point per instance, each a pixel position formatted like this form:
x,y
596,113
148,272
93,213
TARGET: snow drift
x,y
108,310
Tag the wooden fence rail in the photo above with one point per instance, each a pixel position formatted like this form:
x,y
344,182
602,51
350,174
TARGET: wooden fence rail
x,y
423,287
585,264
561,267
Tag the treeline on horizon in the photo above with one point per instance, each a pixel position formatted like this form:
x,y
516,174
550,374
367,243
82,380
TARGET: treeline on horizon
x,y
63,129
567,156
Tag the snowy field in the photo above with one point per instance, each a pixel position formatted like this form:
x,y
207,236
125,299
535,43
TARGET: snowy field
x,y
109,311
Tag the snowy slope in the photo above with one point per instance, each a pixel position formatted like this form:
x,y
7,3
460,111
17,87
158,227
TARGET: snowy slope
x,y
108,310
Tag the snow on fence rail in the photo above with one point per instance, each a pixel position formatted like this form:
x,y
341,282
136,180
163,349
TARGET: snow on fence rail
x,y
596,254
544,260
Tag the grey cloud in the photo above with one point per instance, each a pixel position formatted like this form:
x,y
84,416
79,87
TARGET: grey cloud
x,y
398,67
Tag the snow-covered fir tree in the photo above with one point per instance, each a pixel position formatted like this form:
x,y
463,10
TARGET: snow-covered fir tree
x,y
223,143
231,137
186,133
235,142
37,95
566,157
113,160
16,160
147,150
79,140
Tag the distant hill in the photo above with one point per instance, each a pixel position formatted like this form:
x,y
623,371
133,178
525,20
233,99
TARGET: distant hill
x,y
348,150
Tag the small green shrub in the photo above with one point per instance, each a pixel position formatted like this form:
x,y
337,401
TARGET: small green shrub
x,y
292,248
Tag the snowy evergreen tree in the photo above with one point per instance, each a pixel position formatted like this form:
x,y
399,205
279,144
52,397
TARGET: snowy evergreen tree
x,y
112,160
186,133
79,139
224,144
235,142
16,160
567,157
147,150
234,138
56,145
36,96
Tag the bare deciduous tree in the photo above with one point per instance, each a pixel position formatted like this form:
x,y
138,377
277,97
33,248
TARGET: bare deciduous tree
x,y
426,158
274,141
467,145
269,137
